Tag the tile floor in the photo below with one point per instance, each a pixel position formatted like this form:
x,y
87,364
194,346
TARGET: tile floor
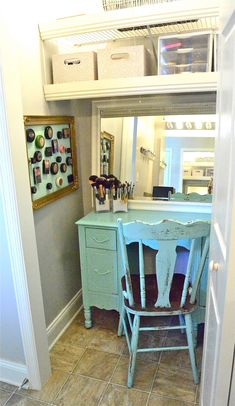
x,y
90,369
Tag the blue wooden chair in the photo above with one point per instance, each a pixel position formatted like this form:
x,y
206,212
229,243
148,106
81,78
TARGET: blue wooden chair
x,y
164,293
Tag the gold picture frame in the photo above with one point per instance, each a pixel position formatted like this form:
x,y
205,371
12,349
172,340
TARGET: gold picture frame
x,y
52,157
106,153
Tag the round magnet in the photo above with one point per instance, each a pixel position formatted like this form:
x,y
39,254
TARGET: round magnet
x,y
30,135
54,168
33,190
40,141
48,132
58,159
59,182
59,135
62,149
37,156
49,186
63,167
69,160
33,160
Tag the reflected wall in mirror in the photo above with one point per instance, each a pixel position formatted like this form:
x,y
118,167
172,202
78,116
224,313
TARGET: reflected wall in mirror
x,y
165,150
106,153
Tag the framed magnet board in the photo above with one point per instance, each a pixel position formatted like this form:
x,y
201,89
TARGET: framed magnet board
x,y
52,157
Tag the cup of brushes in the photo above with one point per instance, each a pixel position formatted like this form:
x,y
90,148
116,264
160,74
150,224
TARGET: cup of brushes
x,y
109,193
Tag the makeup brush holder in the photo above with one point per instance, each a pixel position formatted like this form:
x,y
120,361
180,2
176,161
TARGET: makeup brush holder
x,y
101,206
119,205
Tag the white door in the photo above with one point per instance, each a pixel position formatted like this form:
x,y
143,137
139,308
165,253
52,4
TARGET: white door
x,y
220,320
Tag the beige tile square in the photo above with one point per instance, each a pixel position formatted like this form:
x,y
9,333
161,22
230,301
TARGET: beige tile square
x,y
144,374
120,396
80,391
175,359
174,382
160,401
65,357
4,396
179,358
50,389
17,400
108,341
97,364
77,336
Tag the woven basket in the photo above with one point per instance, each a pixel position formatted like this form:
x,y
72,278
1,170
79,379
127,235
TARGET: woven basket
x,y
117,4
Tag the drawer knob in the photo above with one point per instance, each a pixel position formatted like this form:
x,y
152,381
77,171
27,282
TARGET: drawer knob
x,y
213,266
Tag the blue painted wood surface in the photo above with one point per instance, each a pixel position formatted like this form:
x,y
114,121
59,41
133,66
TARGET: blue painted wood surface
x,y
167,233
99,245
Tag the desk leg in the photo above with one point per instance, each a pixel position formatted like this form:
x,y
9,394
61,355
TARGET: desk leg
x,y
87,315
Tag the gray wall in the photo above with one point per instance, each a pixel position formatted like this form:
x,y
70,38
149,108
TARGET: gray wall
x,y
57,245
9,321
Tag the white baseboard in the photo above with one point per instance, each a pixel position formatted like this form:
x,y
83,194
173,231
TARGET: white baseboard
x,y
12,372
64,319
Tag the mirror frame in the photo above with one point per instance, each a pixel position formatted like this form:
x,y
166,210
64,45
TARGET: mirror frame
x,y
146,105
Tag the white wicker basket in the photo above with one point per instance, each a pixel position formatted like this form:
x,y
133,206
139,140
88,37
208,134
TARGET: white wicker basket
x,y
117,4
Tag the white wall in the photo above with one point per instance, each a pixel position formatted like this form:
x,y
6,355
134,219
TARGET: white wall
x,y
144,165
179,143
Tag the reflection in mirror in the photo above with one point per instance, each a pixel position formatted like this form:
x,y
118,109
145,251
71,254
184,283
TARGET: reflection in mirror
x,y
175,151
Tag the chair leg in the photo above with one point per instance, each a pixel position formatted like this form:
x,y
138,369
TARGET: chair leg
x,y
134,344
120,324
189,332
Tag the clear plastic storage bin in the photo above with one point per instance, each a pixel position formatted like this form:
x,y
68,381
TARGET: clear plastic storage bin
x,y
185,53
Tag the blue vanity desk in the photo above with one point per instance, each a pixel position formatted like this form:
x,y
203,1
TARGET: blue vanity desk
x,y
100,256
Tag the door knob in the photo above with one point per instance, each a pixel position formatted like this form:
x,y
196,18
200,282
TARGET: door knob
x,y
214,266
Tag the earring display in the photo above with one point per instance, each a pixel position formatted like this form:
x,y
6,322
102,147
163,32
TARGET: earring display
x,y
51,150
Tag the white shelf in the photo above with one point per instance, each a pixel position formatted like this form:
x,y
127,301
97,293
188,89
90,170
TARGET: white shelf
x,y
171,17
157,14
202,164
188,82
196,177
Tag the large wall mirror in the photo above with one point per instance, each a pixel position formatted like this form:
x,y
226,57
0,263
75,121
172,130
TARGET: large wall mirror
x,y
165,140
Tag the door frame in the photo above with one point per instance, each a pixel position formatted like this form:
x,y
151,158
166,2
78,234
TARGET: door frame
x,y
21,239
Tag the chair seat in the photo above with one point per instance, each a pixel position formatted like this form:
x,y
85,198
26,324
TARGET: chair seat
x,y
152,294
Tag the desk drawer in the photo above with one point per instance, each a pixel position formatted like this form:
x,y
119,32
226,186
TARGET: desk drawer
x,y
101,238
102,271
